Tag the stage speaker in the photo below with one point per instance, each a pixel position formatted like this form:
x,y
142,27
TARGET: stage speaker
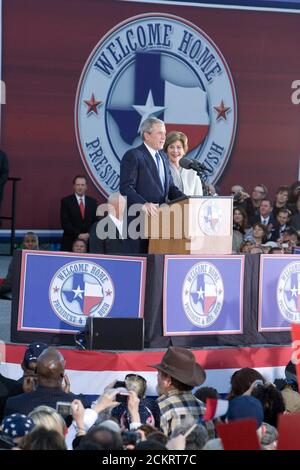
x,y
115,333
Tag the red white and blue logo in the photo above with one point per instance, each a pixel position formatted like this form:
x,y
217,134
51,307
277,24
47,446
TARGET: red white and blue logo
x,y
81,289
203,294
154,65
288,293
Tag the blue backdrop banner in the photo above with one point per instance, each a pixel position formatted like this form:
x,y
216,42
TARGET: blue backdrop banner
x,y
58,291
203,295
279,292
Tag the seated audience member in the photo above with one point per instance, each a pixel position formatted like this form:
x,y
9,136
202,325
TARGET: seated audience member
x,y
77,214
176,146
79,246
178,374
241,381
295,218
108,234
281,224
239,228
294,191
281,199
258,234
239,194
246,247
30,242
251,204
265,216
50,376
288,241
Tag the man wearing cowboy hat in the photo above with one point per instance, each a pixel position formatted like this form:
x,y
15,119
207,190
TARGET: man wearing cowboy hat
x,y
178,374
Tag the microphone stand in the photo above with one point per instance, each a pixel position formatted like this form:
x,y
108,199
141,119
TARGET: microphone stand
x,y
205,189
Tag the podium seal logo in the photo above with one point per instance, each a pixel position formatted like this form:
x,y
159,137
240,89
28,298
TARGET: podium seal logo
x,y
288,293
203,294
81,289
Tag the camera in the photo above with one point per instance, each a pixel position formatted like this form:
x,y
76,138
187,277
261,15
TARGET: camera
x,y
130,437
64,408
122,397
119,384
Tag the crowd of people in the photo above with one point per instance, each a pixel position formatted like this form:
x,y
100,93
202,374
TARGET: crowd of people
x,y
39,411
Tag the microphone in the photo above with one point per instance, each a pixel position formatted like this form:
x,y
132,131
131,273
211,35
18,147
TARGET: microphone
x,y
192,164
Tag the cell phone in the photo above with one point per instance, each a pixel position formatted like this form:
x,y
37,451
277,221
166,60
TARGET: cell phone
x,y
119,384
64,408
122,397
285,245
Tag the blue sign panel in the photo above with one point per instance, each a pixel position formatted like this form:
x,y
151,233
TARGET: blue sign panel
x,y
279,293
59,291
203,295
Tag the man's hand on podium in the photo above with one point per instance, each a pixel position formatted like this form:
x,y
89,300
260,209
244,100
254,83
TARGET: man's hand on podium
x,y
150,209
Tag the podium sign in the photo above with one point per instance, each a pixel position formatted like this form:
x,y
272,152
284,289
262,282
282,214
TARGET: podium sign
x,y
59,291
195,225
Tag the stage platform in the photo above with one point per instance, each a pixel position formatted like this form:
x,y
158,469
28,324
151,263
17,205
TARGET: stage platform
x,y
91,371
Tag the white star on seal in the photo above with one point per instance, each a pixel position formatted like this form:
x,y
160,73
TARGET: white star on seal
x,y
148,109
294,291
200,293
78,292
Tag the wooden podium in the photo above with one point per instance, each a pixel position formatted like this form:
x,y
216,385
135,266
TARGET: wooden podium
x,y
192,225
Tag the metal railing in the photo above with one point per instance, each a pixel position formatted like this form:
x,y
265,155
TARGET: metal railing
x,y
12,216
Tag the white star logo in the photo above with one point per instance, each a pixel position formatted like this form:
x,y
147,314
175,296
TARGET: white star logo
x,y
294,291
78,292
200,293
148,109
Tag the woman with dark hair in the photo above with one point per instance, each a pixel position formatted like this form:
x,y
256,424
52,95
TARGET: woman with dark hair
x,y
241,381
240,223
176,146
258,234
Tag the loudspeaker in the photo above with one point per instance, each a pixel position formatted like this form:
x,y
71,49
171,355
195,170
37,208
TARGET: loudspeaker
x,y
115,333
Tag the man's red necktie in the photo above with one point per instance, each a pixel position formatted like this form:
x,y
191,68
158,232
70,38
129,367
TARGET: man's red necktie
x,y
81,207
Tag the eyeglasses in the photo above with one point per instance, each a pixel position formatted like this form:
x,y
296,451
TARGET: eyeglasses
x,y
258,191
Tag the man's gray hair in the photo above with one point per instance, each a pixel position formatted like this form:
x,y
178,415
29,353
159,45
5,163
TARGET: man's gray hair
x,y
148,124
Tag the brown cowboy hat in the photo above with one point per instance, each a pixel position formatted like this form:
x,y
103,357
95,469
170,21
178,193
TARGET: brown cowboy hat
x,y
180,364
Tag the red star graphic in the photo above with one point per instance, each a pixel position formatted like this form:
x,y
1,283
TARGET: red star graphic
x,y
56,289
92,104
108,292
221,110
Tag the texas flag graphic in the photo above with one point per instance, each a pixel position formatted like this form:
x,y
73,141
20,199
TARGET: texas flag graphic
x,y
87,294
183,108
206,293
293,292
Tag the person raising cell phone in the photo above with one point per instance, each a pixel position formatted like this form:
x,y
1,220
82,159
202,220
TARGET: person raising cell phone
x,y
50,371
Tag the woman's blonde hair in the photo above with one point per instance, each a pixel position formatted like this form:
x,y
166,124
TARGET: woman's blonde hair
x,y
47,418
176,135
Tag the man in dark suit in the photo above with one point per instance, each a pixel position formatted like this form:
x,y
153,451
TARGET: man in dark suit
x,y
50,375
145,176
77,214
107,235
